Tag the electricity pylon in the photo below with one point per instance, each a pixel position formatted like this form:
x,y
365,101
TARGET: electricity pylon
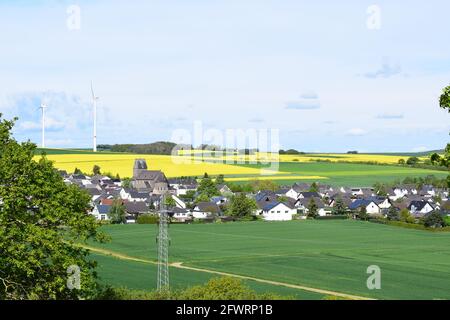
x,y
163,241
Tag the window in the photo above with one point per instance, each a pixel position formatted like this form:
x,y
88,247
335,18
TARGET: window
x,y
286,211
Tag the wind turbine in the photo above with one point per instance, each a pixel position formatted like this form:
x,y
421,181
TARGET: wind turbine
x,y
94,104
43,107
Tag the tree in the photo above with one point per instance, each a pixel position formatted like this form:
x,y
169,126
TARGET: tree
x,y
339,207
312,209
412,161
117,213
126,183
96,170
406,216
434,220
314,187
401,161
220,179
170,202
41,218
444,160
363,213
207,187
392,214
259,185
203,197
77,171
380,189
241,206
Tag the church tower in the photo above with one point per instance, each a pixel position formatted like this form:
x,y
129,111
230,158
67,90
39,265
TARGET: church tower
x,y
140,165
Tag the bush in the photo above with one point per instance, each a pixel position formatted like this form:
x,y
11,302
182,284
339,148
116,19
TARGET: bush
x,y
148,219
333,217
224,288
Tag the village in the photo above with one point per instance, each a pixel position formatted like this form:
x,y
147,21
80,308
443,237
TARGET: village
x,y
144,192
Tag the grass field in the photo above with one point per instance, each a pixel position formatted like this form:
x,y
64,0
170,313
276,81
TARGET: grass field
x,y
331,255
305,168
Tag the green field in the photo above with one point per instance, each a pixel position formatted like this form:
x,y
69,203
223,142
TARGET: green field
x,y
349,174
331,255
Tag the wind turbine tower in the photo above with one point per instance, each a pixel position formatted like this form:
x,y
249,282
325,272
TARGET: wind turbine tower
x,y
43,107
94,104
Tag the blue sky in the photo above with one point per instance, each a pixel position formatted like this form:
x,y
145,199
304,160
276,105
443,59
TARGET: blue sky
x,y
312,69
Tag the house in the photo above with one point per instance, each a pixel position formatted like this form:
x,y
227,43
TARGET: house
x,y
150,181
308,194
282,192
219,200
419,208
100,212
366,192
182,215
134,209
302,205
371,207
223,188
382,202
266,196
178,202
278,211
136,196
204,209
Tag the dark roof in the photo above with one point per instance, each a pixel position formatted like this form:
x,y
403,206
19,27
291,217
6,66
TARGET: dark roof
x,y
418,204
265,196
308,194
208,207
358,203
103,209
139,195
153,175
272,205
136,207
305,202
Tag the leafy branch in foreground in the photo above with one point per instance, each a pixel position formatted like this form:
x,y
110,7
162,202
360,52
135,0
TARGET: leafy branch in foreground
x,y
41,218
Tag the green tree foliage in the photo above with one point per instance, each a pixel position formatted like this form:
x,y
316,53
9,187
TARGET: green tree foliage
x,y
241,206
444,160
220,179
259,185
147,219
96,170
314,187
170,202
401,161
224,288
77,171
126,183
363,215
207,187
406,216
117,213
412,161
203,197
434,220
40,219
380,189
339,207
312,209
393,214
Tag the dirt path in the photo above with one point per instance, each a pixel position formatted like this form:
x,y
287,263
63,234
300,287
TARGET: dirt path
x,y
180,265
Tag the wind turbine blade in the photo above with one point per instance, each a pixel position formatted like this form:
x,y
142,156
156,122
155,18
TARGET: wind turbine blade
x,y
92,91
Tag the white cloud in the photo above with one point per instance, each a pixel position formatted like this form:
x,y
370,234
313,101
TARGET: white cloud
x,y
356,132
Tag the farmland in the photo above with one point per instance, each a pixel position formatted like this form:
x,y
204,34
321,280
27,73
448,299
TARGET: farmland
x,y
330,255
340,169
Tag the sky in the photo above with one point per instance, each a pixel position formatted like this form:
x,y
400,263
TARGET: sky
x,y
330,77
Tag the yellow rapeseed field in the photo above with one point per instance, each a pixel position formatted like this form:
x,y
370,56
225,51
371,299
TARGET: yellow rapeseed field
x,y
122,164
